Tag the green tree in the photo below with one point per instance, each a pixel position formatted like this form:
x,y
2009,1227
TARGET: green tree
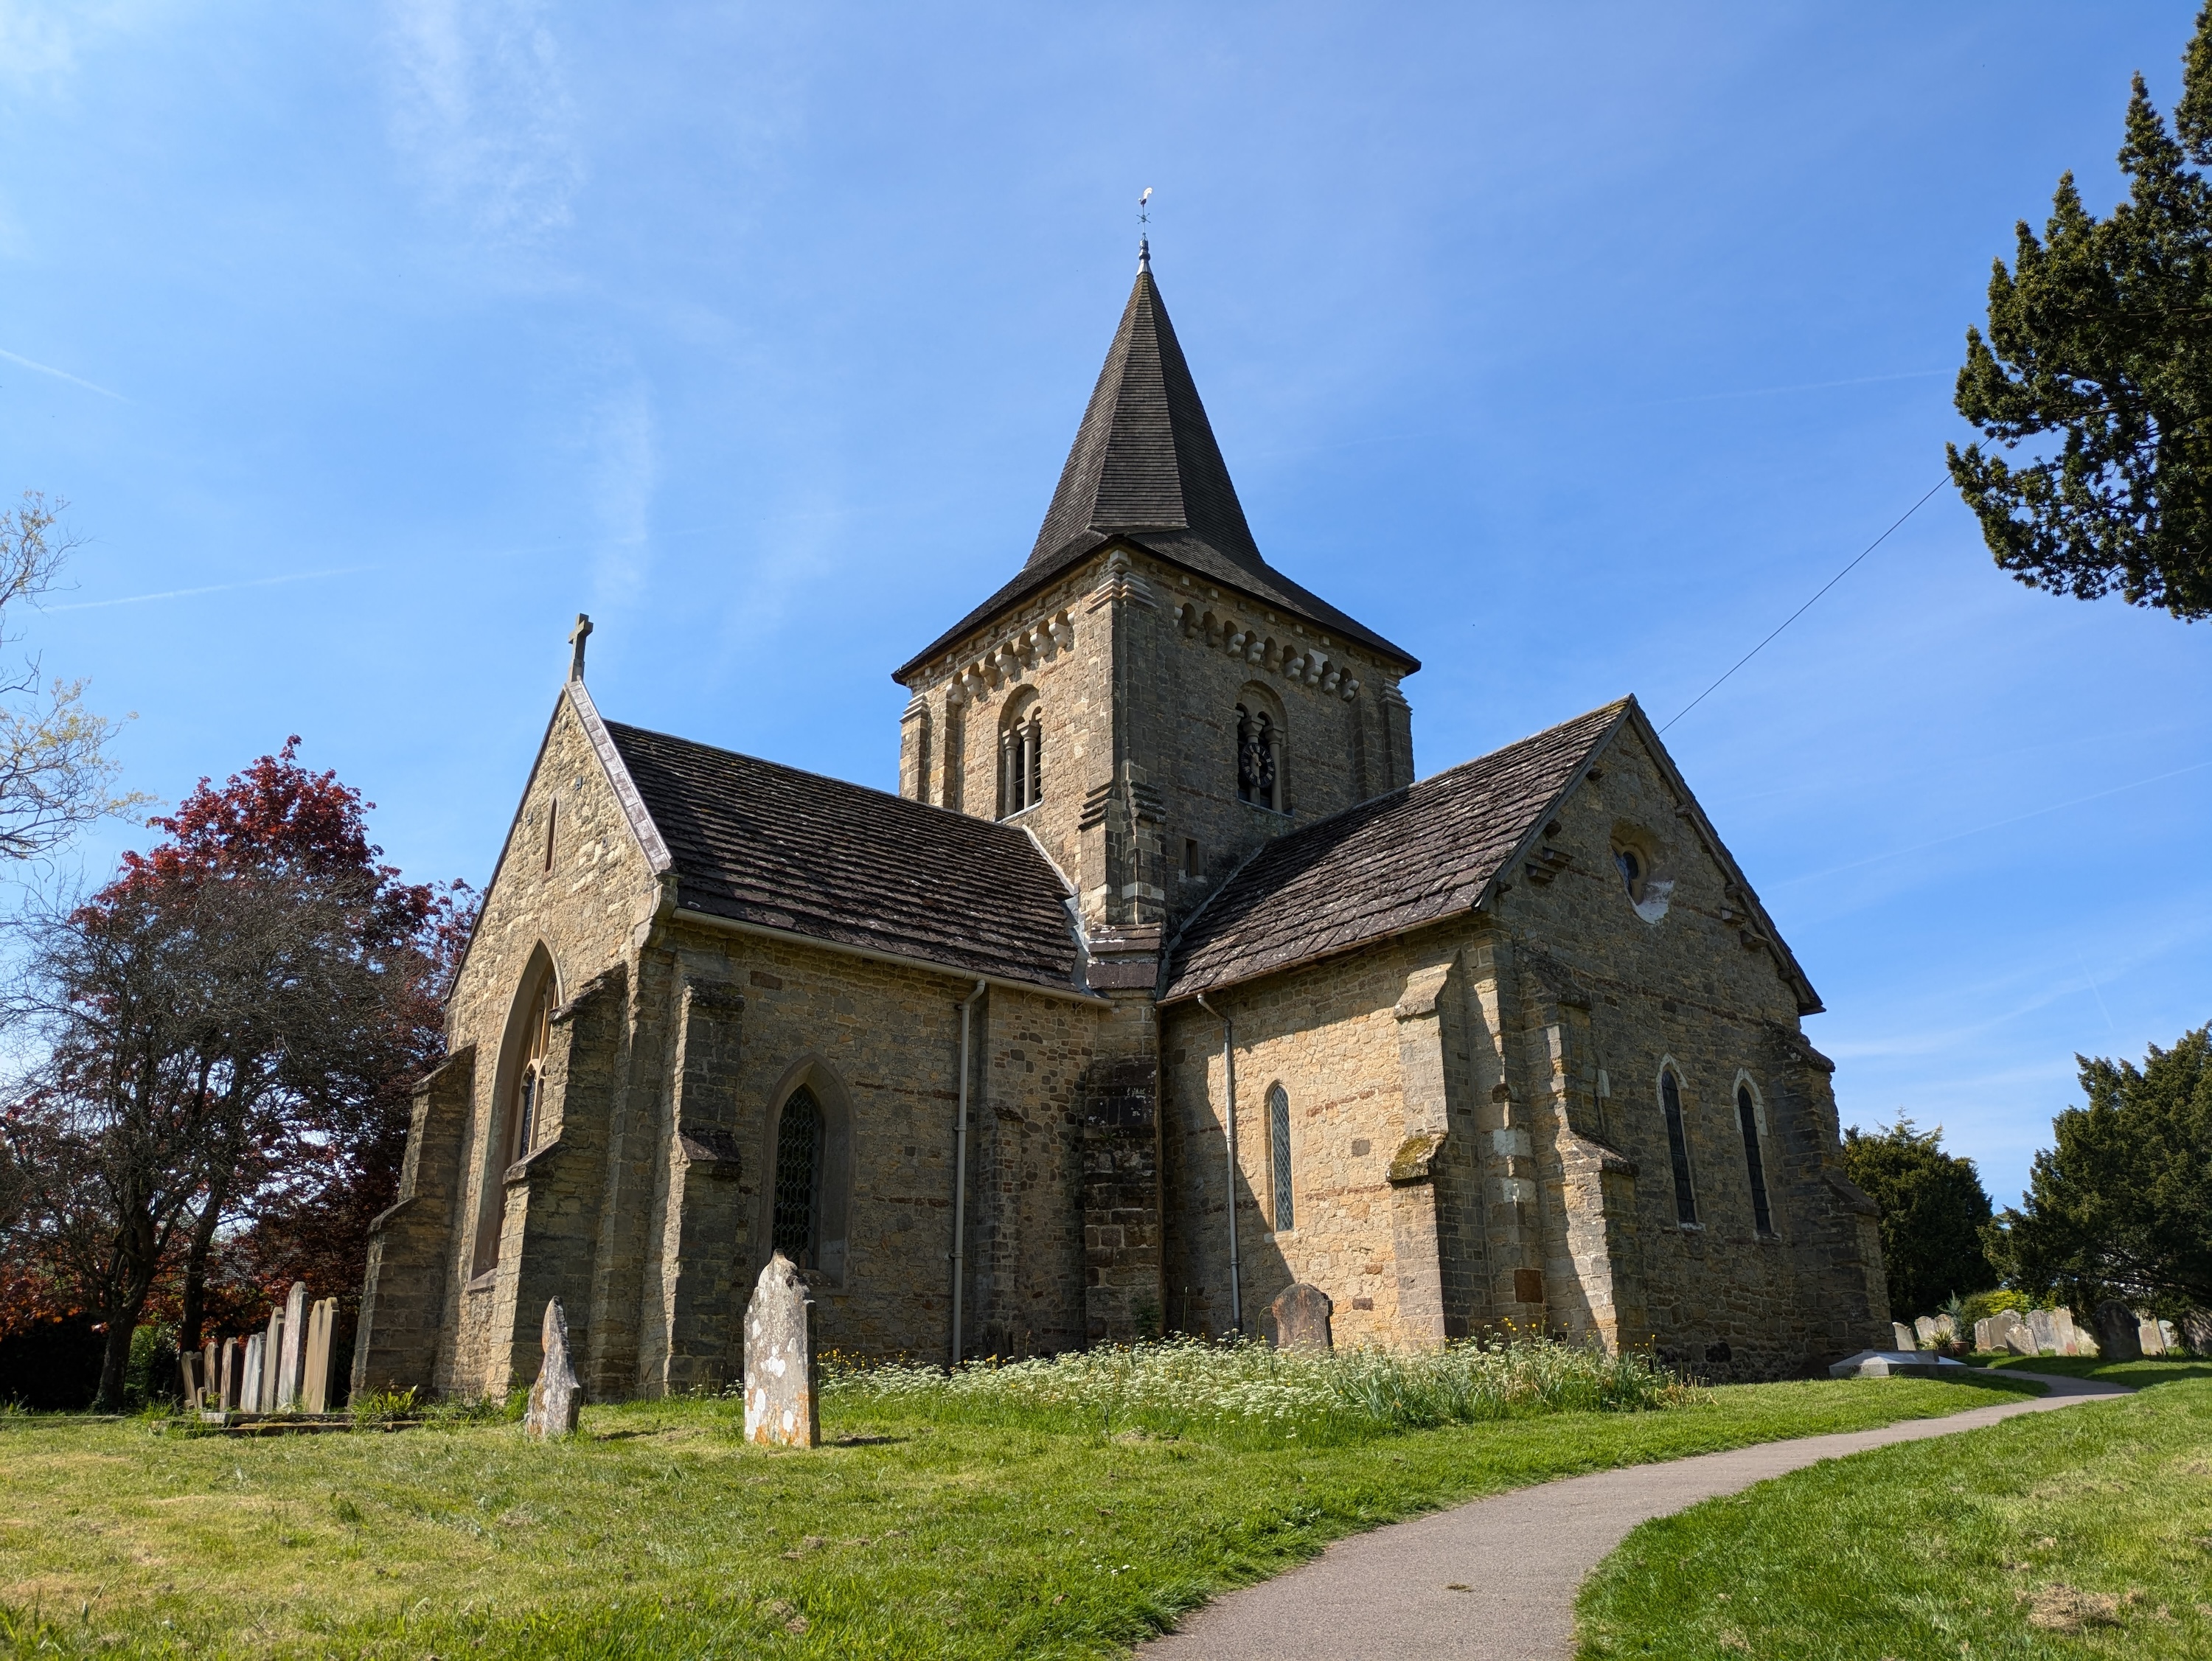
x,y
2100,338
2121,1206
1933,1211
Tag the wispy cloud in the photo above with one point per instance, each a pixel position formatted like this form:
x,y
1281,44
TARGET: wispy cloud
x,y
622,470
483,108
41,42
211,588
64,374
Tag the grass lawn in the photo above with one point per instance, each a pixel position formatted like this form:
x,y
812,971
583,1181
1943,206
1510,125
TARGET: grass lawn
x,y
2085,1532
658,1532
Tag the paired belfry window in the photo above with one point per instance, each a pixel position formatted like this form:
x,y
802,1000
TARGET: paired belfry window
x,y
1259,759
1678,1149
1747,1112
1021,759
798,1177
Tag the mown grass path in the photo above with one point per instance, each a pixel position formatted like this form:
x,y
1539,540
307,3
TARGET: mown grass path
x,y
1496,1580
660,1533
2072,1535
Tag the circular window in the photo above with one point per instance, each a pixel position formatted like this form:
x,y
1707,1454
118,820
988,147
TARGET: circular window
x,y
1635,857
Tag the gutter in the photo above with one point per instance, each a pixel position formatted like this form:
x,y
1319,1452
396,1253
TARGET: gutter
x,y
960,1171
1229,1066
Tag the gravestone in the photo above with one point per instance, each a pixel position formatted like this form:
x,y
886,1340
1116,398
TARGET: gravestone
x,y
315,1385
292,1352
2079,1340
1986,1333
254,1370
210,1374
2118,1332
2147,1335
2165,1336
1924,1331
272,1358
783,1402
556,1400
1906,1337
231,1390
2043,1327
188,1375
2012,1333
1301,1313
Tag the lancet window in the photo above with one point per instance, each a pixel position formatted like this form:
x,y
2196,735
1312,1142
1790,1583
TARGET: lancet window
x,y
798,1178
529,1088
1678,1149
1021,758
1747,1112
1278,1153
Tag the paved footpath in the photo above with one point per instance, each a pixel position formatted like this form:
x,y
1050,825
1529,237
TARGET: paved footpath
x,y
1522,1556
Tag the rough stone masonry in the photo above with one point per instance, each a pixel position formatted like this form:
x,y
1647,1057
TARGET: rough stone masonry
x,y
1227,998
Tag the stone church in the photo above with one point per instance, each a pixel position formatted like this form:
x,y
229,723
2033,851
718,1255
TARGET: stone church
x,y
1162,984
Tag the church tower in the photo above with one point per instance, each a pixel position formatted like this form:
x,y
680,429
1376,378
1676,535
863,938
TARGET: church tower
x,y
1148,696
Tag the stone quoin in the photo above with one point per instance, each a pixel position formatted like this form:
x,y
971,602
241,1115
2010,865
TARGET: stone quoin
x,y
1161,986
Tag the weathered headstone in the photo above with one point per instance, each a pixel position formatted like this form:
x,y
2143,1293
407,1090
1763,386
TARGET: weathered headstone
x,y
782,1404
272,1358
2147,1335
1302,1314
556,1398
2080,1340
1986,1333
1946,1328
292,1352
257,1346
2043,1325
231,1392
2167,1336
188,1376
315,1387
210,1374
1924,1331
2118,1333
1906,1337
2010,1332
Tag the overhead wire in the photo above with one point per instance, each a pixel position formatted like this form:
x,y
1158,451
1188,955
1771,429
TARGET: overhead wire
x,y
1807,606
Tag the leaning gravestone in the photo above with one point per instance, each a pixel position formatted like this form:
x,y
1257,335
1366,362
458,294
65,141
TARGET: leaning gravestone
x,y
2012,1333
2119,1336
2043,1327
315,1383
2148,1336
272,1359
1905,1336
292,1352
1301,1314
556,1400
782,1402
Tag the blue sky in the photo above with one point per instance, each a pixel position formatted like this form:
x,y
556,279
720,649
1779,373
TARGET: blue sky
x,y
1573,346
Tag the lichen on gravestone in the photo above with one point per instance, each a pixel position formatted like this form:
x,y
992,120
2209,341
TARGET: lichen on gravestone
x,y
556,1400
1301,1316
782,1396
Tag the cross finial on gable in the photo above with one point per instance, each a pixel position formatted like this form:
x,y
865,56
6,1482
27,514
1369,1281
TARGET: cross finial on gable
x,y
577,636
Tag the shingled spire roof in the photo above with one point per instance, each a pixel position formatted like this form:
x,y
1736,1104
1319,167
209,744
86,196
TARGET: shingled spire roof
x,y
1145,458
1144,468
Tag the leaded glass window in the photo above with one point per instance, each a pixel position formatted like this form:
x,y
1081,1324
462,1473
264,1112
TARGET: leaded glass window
x,y
530,1077
798,1176
1678,1149
1278,1151
1747,1112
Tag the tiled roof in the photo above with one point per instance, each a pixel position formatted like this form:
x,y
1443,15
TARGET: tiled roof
x,y
1415,856
1145,467
768,845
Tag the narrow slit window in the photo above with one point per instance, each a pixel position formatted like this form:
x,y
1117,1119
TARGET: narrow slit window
x,y
798,1177
1747,1112
1193,865
1678,1149
552,823
1278,1151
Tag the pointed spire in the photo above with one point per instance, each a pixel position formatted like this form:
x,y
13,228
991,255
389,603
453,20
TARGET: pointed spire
x,y
1145,458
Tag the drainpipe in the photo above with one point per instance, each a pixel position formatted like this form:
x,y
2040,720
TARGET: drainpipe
x,y
960,1170
1228,1068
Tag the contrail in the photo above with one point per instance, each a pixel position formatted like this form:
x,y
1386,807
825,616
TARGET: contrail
x,y
212,588
63,374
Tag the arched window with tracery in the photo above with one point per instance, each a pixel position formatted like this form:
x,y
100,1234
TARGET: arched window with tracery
x,y
797,1223
1279,1155
1678,1149
519,1123
1021,756
1746,1113
1259,758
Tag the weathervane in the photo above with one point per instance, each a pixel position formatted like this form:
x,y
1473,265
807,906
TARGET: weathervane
x,y
1143,241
